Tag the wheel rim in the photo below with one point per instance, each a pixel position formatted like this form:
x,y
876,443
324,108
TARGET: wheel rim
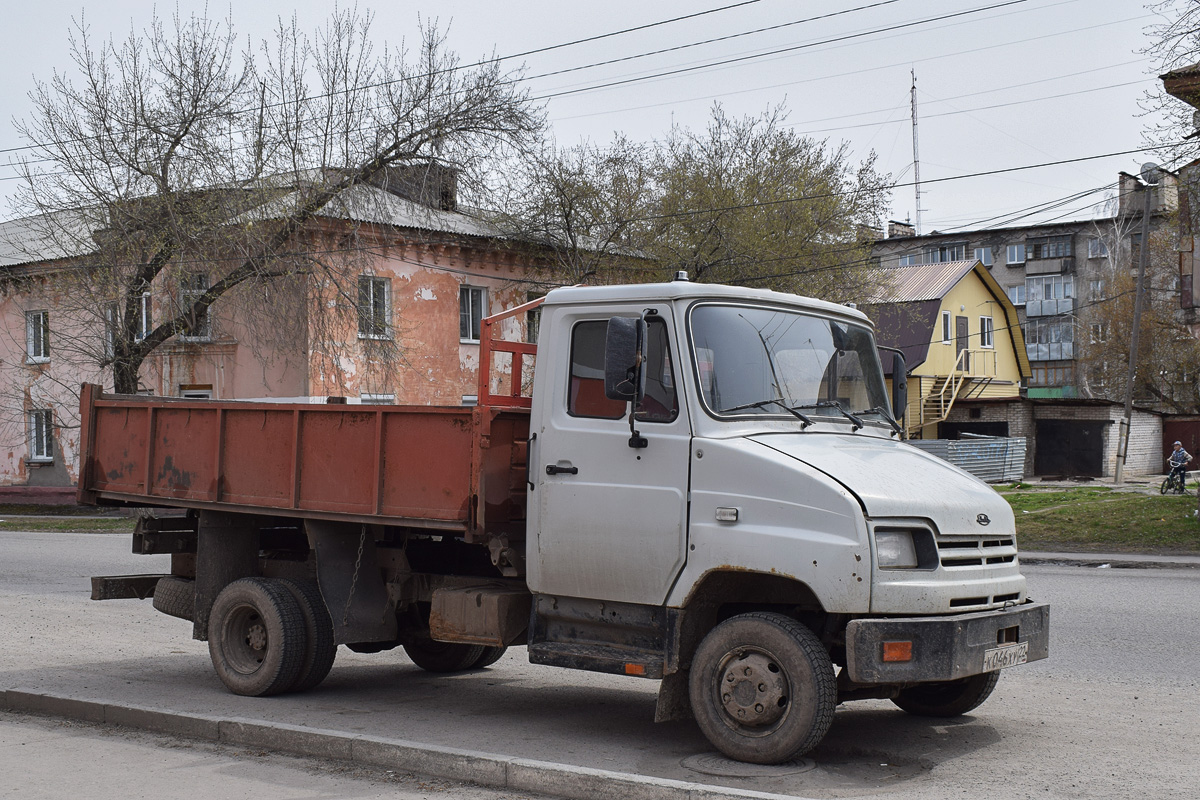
x,y
247,639
753,691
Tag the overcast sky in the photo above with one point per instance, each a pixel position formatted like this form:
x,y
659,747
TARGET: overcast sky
x,y
1024,82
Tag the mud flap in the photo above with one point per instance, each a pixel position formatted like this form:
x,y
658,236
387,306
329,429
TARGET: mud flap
x,y
351,582
674,703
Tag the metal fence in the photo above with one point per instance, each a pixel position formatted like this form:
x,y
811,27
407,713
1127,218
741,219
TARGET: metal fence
x,y
991,459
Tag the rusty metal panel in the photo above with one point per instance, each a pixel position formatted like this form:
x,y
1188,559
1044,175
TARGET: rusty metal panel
x,y
120,447
337,460
426,464
184,461
414,465
262,447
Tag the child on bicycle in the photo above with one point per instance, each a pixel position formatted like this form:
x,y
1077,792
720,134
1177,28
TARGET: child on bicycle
x,y
1179,460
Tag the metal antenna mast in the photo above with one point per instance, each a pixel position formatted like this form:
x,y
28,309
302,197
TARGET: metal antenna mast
x,y
916,152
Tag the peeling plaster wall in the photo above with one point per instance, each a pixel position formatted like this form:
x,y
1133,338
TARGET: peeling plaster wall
x,y
433,366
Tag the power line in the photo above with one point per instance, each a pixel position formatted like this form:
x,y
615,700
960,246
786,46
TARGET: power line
x,y
793,48
486,62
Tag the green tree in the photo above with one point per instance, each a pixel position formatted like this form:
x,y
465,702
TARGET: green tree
x,y
751,201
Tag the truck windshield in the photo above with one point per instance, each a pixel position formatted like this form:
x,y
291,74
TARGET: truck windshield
x,y
759,360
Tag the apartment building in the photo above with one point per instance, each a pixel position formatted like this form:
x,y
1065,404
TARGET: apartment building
x,y
1056,274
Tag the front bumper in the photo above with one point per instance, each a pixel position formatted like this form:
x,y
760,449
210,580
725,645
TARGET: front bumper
x,y
944,648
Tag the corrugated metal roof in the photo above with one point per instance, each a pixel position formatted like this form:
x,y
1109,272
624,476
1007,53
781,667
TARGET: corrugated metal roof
x,y
365,203
921,282
44,237
50,237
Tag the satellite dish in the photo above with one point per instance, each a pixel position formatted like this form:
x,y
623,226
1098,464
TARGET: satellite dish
x,y
1149,173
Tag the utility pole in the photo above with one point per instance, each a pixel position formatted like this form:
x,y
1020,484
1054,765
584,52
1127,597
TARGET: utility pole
x,y
1150,175
916,153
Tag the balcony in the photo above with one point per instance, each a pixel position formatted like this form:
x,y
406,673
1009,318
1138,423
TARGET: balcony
x,y
1049,308
1051,351
1049,266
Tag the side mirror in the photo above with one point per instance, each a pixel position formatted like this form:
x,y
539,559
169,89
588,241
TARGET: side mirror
x,y
899,386
624,344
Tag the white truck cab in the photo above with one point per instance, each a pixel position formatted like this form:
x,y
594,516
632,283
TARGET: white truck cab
x,y
722,500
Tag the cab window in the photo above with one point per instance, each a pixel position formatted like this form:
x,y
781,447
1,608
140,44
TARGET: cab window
x,y
585,396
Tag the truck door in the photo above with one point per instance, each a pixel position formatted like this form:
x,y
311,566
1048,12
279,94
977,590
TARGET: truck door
x,y
612,519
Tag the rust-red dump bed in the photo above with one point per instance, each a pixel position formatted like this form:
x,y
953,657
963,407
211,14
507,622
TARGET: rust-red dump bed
x,y
405,465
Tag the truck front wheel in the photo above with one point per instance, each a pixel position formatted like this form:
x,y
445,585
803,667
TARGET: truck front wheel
x,y
949,698
762,688
256,637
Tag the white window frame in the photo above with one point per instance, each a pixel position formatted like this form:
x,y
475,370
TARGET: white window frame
x,y
909,259
37,337
466,320
369,289
987,333
192,287
145,321
1096,247
947,328
984,256
111,317
1015,254
1016,294
41,435
194,393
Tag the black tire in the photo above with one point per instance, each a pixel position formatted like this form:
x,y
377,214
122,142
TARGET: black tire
x,y
318,626
176,597
257,637
1166,484
434,656
948,699
762,688
490,656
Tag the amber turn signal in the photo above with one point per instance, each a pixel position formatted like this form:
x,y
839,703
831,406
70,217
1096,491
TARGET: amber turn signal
x,y
897,651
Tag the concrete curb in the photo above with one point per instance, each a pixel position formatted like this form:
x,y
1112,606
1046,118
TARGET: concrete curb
x,y
484,769
1114,563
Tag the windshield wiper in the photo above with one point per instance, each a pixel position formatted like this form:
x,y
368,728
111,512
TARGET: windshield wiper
x,y
855,420
778,401
881,411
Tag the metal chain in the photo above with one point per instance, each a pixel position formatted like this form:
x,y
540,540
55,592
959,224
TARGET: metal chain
x,y
362,538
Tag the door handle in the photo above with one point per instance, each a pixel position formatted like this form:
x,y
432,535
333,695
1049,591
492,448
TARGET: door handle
x,y
555,469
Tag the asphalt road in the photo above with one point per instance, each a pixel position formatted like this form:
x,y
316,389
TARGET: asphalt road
x,y
1114,712
44,758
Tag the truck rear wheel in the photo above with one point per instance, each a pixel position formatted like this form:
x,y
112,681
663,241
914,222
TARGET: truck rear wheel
x,y
321,650
256,637
762,688
948,698
435,656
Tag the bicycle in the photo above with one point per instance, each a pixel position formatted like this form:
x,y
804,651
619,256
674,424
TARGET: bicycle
x,y
1175,482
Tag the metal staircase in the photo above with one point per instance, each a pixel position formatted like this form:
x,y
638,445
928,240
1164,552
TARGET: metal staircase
x,y
972,373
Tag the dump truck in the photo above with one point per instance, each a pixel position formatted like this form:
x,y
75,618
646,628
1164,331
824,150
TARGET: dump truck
x,y
696,484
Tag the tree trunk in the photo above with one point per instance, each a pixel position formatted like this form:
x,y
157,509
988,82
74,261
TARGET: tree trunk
x,y
125,375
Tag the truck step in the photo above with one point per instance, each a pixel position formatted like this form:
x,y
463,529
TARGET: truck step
x,y
598,658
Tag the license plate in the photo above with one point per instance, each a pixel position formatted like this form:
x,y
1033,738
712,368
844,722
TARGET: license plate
x,y
1010,655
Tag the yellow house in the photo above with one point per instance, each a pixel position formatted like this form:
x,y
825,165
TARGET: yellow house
x,y
960,336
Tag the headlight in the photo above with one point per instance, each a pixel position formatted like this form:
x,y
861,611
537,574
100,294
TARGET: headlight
x,y
895,549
